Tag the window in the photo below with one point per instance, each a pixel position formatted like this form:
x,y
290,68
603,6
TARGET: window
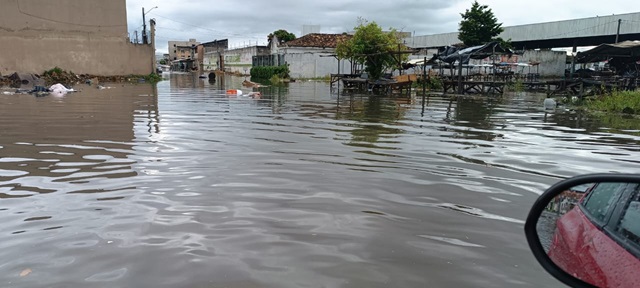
x,y
629,226
602,199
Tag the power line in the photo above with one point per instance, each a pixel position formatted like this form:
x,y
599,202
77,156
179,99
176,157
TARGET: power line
x,y
208,29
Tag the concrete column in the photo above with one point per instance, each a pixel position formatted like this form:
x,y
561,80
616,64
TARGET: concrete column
x,y
152,27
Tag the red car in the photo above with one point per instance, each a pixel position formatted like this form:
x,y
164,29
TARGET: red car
x,y
598,240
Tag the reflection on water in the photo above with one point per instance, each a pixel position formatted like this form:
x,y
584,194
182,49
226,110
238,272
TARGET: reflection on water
x,y
182,186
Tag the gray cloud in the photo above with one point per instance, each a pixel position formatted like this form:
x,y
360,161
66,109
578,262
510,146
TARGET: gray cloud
x,y
250,21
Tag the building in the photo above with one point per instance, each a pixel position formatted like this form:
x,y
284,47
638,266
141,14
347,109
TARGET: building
x,y
241,60
181,49
313,55
210,55
590,31
86,37
184,52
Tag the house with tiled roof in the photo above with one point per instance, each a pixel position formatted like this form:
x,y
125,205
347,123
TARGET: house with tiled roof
x,y
318,40
312,55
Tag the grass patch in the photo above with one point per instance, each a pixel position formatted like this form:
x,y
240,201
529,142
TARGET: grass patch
x,y
68,78
152,78
275,79
627,102
516,85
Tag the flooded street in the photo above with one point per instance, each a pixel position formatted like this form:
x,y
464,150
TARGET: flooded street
x,y
181,186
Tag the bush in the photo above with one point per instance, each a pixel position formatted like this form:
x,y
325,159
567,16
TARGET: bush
x,y
433,83
53,72
517,85
266,72
275,79
58,75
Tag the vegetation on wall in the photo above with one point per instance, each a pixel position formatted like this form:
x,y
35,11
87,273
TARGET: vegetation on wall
x,y
68,78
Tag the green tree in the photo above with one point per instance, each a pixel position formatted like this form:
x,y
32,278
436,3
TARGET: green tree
x,y
478,25
283,36
374,48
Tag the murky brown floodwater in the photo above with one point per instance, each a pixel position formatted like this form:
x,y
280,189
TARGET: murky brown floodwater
x,y
180,186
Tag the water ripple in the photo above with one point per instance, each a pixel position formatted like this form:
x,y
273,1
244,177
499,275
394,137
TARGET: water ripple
x,y
180,186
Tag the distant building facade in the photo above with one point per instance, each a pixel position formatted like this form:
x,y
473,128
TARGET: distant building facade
x,y
179,50
240,60
210,54
313,55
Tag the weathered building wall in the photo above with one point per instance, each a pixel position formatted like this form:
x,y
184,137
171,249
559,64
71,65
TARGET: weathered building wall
x,y
240,60
83,36
552,63
313,62
181,49
211,61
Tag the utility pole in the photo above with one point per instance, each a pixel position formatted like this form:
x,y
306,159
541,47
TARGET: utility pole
x,y
136,36
618,32
144,28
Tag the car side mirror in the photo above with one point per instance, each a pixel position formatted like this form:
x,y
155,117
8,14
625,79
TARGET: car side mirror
x,y
585,231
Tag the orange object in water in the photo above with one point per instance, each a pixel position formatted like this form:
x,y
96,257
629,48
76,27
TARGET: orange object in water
x,y
234,92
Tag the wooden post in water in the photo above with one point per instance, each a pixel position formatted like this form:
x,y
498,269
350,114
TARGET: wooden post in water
x,y
424,77
338,82
460,90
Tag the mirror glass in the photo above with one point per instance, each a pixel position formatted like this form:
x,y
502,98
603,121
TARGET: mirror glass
x,y
592,232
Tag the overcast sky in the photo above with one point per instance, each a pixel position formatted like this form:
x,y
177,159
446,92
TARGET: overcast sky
x,y
250,21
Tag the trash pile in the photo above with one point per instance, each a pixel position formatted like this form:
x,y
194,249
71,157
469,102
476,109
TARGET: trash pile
x,y
58,90
57,75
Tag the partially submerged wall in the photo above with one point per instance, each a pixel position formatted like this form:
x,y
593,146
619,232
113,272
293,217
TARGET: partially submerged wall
x,y
552,63
83,36
241,60
314,62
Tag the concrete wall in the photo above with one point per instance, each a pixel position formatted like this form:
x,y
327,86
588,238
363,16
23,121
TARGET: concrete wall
x,y
552,63
211,61
240,60
308,63
83,36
